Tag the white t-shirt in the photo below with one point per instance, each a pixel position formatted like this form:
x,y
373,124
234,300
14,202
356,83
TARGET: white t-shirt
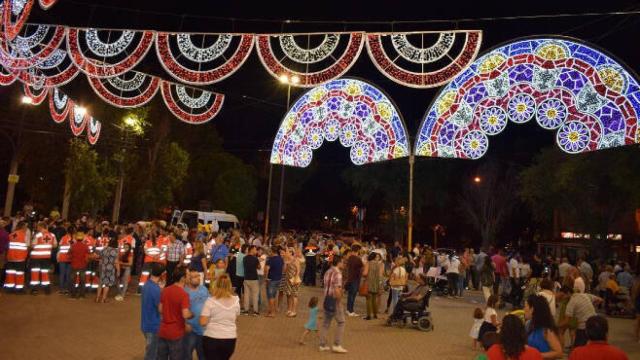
x,y
551,299
222,314
453,266
578,285
398,273
488,312
262,260
514,268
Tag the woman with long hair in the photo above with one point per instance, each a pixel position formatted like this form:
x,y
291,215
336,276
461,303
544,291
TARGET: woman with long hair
x,y
219,316
542,332
125,260
292,281
199,260
513,342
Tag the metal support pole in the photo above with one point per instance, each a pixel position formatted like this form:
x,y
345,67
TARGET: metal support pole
x,y
282,172
410,229
118,198
11,184
268,212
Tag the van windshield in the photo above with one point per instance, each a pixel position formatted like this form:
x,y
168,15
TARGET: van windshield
x,y
226,225
190,219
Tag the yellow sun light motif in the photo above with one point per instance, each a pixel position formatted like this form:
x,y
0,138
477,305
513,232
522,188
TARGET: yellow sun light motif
x,y
445,102
353,89
521,108
491,63
551,51
384,110
492,120
317,94
552,113
573,136
474,144
612,78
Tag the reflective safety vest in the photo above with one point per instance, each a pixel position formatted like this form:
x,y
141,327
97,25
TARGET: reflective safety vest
x,y
63,250
188,253
310,250
127,240
164,245
43,245
152,253
18,249
100,243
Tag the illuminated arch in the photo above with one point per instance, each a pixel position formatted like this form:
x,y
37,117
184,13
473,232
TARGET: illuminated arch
x,y
357,113
591,99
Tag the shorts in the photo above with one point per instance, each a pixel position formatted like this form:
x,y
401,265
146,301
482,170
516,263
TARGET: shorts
x,y
272,288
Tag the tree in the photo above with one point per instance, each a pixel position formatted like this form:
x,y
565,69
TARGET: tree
x,y
487,200
591,190
90,186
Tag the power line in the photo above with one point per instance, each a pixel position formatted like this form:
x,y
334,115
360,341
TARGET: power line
x,y
234,20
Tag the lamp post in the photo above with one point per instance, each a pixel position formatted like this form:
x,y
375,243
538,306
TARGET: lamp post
x,y
66,195
288,80
129,123
13,178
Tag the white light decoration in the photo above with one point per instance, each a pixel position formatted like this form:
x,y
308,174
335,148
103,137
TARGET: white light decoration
x,y
203,54
283,54
190,109
115,58
427,65
25,51
93,131
130,90
203,64
309,56
20,9
110,49
59,105
127,85
78,119
426,55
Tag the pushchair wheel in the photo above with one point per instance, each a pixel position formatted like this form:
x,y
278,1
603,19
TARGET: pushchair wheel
x,y
425,323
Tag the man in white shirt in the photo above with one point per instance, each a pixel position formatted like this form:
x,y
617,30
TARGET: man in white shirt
x,y
514,278
563,268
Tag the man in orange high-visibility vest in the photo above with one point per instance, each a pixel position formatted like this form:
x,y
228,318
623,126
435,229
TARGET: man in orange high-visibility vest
x,y
64,260
41,248
17,259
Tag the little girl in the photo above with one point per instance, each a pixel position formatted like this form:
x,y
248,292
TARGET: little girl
x,y
478,318
490,320
312,323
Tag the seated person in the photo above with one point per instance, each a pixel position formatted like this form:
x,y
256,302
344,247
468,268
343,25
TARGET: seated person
x,y
411,300
613,285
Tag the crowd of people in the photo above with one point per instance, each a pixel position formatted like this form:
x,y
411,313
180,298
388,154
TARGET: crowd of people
x,y
195,282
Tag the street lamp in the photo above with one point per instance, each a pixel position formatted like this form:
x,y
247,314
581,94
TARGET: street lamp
x,y
13,177
477,179
287,80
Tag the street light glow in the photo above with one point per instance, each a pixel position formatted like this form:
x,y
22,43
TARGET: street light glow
x,y
130,121
81,110
477,179
27,100
284,78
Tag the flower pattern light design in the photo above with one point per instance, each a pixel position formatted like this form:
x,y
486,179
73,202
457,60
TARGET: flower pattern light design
x,y
588,97
357,113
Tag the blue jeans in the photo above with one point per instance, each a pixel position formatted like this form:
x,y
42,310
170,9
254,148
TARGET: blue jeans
x,y
65,275
395,296
272,289
151,346
461,282
170,349
352,292
193,342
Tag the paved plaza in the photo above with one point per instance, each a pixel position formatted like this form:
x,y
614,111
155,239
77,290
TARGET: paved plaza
x,y
56,327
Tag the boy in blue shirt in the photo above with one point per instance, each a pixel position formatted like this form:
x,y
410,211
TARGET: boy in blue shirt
x,y
198,295
150,316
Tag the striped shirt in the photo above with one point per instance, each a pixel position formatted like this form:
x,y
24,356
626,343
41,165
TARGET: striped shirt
x,y
332,281
580,306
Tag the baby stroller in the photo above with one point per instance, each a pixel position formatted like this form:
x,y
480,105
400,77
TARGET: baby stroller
x,y
437,281
415,313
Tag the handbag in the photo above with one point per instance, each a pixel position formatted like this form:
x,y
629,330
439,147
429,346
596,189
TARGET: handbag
x,y
394,279
330,303
364,288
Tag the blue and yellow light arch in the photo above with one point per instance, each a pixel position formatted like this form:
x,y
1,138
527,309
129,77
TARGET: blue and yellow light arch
x,y
356,113
591,100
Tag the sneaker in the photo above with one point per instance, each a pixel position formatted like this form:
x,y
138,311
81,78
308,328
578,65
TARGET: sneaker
x,y
119,298
352,314
324,348
338,349
255,314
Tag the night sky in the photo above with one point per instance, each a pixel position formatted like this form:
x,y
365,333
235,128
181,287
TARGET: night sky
x,y
255,102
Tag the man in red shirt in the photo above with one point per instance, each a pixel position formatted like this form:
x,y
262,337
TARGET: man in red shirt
x,y
597,348
501,271
79,256
174,307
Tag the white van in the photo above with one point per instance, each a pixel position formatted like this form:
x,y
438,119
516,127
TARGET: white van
x,y
219,220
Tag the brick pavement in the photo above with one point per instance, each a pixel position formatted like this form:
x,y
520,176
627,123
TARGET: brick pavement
x,y
55,327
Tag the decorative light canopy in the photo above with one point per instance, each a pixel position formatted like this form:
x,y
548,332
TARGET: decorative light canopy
x,y
47,4
357,113
129,90
6,77
193,106
36,43
37,94
93,131
202,58
59,105
314,58
14,16
423,59
107,53
78,118
591,99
